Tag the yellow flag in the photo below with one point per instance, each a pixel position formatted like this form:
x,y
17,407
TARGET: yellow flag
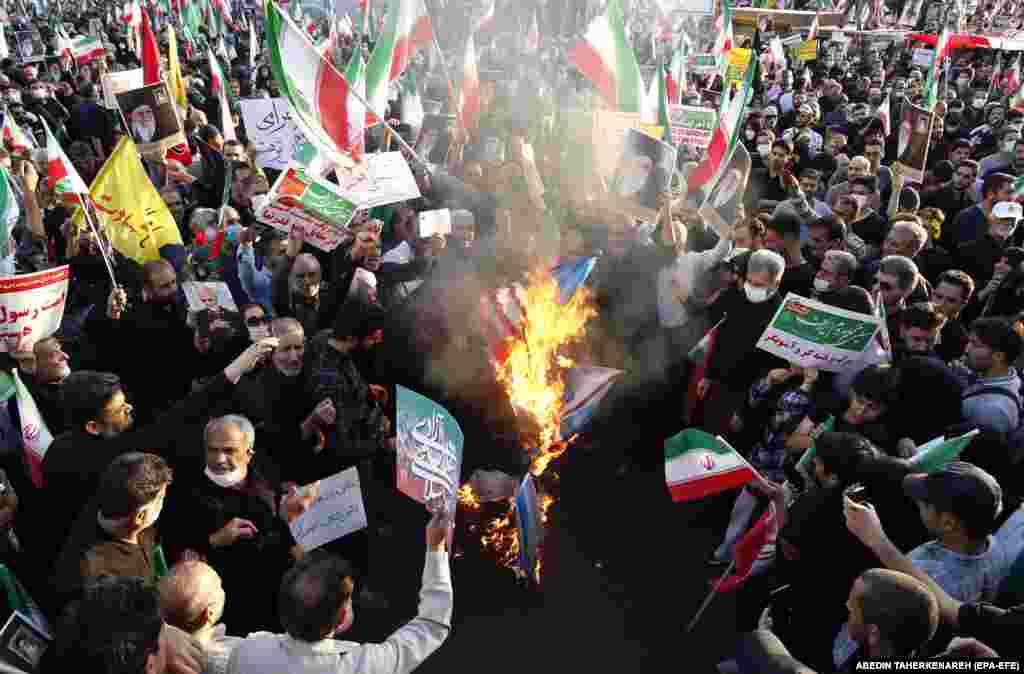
x,y
135,217
174,79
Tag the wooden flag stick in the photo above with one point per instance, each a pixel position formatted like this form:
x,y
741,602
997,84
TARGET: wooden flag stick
x,y
711,595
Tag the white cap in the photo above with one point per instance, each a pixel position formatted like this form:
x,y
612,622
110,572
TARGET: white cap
x,y
1007,209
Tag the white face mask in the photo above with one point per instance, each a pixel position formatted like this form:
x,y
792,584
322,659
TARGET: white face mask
x,y
821,285
756,295
978,103
229,479
1009,145
749,133
764,150
38,94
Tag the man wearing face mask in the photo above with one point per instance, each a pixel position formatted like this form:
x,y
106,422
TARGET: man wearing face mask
x,y
232,514
158,321
972,222
736,362
42,104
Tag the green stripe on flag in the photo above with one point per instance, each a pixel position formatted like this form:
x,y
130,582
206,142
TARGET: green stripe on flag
x,y
629,81
692,439
804,464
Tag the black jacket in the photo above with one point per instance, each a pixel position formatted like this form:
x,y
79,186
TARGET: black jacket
x,y
736,361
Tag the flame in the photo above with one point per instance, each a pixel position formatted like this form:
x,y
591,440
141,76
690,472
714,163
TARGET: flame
x,y
532,375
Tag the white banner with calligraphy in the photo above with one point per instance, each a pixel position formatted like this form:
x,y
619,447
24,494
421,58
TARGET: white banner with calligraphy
x,y
337,510
429,463
31,307
269,126
809,333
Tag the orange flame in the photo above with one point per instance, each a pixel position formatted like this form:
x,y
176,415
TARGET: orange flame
x,y
532,375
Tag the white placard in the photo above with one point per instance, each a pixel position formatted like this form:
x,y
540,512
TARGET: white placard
x,y
269,125
385,178
436,222
31,307
324,235
337,510
115,83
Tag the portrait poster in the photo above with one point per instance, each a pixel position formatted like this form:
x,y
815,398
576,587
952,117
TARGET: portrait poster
x,y
915,136
644,171
30,46
22,643
152,118
723,202
114,83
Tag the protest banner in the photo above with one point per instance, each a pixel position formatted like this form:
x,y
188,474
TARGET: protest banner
x,y
702,64
437,222
336,511
202,295
608,137
429,442
644,172
692,126
914,139
807,51
738,60
114,83
269,125
301,204
809,333
152,118
31,307
384,178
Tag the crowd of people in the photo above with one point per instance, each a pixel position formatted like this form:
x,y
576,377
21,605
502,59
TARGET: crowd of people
x,y
155,534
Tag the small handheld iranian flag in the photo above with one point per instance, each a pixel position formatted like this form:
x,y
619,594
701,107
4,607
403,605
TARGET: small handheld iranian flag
x,y
18,140
63,178
884,113
86,48
35,434
698,464
931,87
219,87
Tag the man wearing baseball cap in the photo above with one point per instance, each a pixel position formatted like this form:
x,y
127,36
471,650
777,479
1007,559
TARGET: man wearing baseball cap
x,y
978,258
959,505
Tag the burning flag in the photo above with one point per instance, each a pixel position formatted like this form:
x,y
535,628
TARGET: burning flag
x,y
698,464
585,388
532,371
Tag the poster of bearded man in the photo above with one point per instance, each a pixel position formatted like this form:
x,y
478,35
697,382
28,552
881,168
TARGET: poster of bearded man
x,y
151,117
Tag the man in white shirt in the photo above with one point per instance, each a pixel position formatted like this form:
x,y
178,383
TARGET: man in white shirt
x,y
316,605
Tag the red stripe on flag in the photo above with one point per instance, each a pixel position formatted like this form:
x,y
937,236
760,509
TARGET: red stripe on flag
x,y
698,489
705,171
332,89
590,63
421,32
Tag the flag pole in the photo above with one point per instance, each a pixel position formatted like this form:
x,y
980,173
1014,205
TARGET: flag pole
x,y
86,210
433,38
711,595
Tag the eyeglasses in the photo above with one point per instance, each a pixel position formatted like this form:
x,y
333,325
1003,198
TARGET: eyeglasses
x,y
256,321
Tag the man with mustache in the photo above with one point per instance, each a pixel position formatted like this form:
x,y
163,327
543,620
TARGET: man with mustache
x,y
143,124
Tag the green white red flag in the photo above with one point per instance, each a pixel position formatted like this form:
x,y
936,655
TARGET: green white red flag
x,y
61,175
698,464
606,58
316,91
723,29
408,29
16,139
219,88
931,86
87,48
469,89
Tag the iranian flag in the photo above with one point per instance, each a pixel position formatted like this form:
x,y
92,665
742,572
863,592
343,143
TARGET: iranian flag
x,y
884,113
813,33
934,454
676,83
1018,187
723,141
86,48
606,58
16,139
698,464
723,28
408,29
931,86
36,436
355,111
219,88
316,91
1013,77
469,90
61,174
656,104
